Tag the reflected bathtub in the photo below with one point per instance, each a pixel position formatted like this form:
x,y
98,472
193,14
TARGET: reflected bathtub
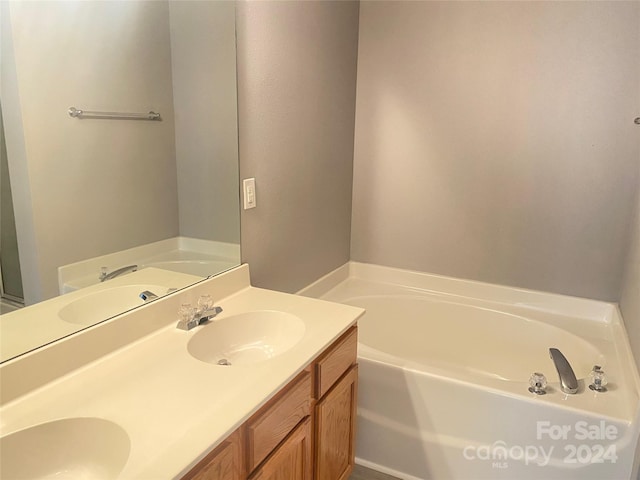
x,y
444,370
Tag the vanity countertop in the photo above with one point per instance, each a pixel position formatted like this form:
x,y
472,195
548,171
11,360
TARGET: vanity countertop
x,y
176,408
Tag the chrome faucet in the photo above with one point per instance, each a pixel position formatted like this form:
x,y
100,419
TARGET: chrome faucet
x,y
568,380
108,276
192,320
147,296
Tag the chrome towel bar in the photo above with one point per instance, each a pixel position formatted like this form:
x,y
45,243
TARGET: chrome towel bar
x,y
76,113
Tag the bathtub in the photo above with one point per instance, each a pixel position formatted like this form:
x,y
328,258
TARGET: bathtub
x,y
186,255
444,376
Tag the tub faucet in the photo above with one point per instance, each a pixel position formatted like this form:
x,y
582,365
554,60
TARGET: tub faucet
x,y
568,380
108,276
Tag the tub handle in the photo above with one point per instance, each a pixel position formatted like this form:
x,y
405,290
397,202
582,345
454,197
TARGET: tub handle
x,y
598,379
538,383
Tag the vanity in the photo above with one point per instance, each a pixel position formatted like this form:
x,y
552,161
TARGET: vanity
x,y
305,431
135,397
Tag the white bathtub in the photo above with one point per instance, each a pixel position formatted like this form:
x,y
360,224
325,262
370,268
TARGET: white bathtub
x,y
186,255
444,370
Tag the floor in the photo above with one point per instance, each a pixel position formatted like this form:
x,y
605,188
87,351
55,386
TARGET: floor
x,y
362,473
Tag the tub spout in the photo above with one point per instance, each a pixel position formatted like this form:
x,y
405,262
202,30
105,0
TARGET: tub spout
x,y
104,275
568,380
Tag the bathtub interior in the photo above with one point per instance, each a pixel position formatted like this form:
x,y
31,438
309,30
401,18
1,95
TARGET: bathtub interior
x,y
445,363
467,337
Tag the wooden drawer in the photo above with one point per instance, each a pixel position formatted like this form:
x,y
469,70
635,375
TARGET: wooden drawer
x,y
337,360
271,424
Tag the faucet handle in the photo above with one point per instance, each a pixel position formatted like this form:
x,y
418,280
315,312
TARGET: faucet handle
x,y
186,316
598,379
538,383
205,303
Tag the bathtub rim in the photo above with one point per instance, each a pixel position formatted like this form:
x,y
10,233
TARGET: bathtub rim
x,y
549,302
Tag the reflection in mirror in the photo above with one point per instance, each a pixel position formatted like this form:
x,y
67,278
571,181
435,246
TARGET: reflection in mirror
x,y
88,193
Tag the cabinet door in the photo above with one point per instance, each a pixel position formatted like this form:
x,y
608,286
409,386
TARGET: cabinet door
x,y
224,463
335,429
292,459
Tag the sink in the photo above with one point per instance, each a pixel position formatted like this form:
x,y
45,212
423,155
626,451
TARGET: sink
x,y
246,338
70,448
106,303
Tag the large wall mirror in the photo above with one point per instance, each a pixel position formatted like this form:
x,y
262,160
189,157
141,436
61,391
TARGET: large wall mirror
x,y
84,192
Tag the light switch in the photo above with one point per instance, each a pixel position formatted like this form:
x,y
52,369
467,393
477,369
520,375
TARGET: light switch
x,y
249,193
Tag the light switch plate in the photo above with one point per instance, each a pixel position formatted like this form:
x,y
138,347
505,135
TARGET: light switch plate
x,y
249,193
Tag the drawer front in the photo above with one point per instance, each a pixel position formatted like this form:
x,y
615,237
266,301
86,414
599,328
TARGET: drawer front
x,y
292,459
272,424
336,361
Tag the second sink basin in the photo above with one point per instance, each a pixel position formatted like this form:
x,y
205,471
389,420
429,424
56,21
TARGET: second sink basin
x,y
246,338
106,303
70,448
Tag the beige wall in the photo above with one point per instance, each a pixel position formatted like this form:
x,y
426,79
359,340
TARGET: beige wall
x,y
89,186
296,98
495,141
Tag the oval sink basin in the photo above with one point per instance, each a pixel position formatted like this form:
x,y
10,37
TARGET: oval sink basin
x,y
247,338
71,448
106,303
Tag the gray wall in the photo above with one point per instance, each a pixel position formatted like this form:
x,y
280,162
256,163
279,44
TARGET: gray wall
x,y
630,297
76,182
9,261
296,101
495,141
203,59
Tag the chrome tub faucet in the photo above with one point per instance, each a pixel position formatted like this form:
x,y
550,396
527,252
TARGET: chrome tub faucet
x,y
568,380
120,271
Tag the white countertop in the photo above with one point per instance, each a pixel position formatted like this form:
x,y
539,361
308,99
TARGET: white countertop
x,y
175,408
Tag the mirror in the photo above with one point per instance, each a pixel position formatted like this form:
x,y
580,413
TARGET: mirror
x,y
100,192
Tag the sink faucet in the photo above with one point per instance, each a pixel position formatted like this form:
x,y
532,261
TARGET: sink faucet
x,y
191,319
147,296
108,276
568,380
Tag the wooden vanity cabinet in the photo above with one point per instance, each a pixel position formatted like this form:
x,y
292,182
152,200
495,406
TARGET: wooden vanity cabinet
x,y
335,411
305,432
223,463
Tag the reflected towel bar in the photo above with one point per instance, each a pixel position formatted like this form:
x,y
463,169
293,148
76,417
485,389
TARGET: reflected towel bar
x,y
75,113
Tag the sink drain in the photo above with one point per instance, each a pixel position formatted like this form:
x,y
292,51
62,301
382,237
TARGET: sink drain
x,y
224,361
